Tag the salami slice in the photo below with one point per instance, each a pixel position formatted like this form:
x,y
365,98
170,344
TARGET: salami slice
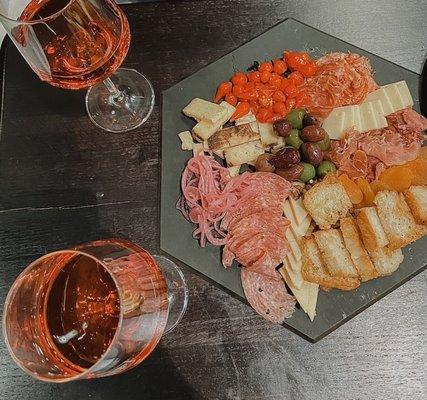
x,y
267,295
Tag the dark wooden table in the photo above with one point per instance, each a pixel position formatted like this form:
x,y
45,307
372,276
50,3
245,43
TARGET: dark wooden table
x,y
64,182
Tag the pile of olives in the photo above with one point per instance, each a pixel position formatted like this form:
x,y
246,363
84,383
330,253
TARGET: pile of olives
x,y
302,158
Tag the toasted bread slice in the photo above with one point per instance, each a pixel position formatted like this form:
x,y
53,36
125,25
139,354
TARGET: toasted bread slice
x,y
202,110
232,136
358,253
416,197
396,219
335,256
386,261
243,153
327,202
370,227
313,269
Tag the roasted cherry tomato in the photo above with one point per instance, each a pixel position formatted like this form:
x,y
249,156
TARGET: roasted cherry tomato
x,y
296,78
265,67
290,90
279,96
308,69
265,100
280,108
230,98
279,67
265,76
275,80
263,115
241,110
239,78
254,76
238,91
290,104
285,83
301,99
223,89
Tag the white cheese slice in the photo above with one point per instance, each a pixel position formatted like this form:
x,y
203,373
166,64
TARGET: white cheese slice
x,y
295,278
254,126
403,89
268,136
381,95
298,209
379,113
334,123
357,119
186,140
369,117
246,119
197,149
203,110
394,96
287,210
349,118
301,229
294,262
295,249
234,171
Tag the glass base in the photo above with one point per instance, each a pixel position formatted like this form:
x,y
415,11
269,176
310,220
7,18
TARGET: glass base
x,y
177,291
121,103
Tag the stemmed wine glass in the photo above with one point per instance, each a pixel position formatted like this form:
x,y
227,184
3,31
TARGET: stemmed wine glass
x,y
94,310
76,44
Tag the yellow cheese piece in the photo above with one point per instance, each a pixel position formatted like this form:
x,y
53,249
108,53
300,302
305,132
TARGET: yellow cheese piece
x,y
306,295
298,209
301,229
287,210
380,95
293,243
295,264
197,149
202,110
294,277
234,171
394,96
370,117
403,89
186,140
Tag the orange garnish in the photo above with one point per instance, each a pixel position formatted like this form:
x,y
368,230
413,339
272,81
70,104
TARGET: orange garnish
x,y
353,191
368,194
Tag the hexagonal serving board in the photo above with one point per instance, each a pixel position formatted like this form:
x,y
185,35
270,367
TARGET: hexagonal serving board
x,y
333,308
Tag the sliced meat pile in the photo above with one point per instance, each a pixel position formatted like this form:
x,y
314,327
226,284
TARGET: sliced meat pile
x,y
341,79
256,239
368,154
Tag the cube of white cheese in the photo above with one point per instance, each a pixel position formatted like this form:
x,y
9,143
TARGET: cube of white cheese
x,y
234,171
202,110
334,123
394,96
268,136
381,95
186,140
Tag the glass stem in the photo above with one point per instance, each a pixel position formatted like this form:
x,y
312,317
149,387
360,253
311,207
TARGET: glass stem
x,y
116,94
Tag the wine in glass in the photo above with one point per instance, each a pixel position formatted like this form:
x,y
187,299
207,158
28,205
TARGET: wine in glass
x,y
94,310
77,44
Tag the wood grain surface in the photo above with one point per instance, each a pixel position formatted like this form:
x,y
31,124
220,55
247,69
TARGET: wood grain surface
x,y
64,182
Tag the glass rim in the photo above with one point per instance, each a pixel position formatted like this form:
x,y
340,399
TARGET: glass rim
x,y
39,21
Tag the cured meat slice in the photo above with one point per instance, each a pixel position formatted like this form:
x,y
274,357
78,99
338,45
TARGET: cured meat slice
x,y
267,295
341,79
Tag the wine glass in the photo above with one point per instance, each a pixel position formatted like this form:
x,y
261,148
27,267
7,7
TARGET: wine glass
x,y
95,310
76,44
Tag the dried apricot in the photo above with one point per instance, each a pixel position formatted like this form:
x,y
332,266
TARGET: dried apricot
x,y
353,191
377,186
365,187
423,153
419,169
397,177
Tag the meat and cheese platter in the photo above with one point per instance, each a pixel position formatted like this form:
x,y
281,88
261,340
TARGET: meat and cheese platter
x,y
294,176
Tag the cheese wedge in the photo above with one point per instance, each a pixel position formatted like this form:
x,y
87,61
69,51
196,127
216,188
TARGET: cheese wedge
x,y
296,264
381,95
234,171
287,210
293,243
334,123
298,210
202,110
403,89
293,276
306,295
197,149
301,229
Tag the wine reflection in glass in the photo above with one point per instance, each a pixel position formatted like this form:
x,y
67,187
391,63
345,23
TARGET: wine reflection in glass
x,y
77,44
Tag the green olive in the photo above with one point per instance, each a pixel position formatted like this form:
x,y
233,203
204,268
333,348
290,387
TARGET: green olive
x,y
308,173
293,139
325,143
324,168
296,117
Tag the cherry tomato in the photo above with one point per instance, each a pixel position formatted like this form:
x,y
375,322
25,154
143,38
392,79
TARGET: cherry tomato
x,y
265,76
275,80
301,99
230,98
241,110
265,67
249,91
290,90
254,106
290,104
308,69
295,59
239,78
254,76
280,108
279,67
223,89
276,117
238,90
296,78
263,115
265,100
285,83
279,96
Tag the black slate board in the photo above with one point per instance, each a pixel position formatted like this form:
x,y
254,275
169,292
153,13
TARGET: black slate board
x,y
333,308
